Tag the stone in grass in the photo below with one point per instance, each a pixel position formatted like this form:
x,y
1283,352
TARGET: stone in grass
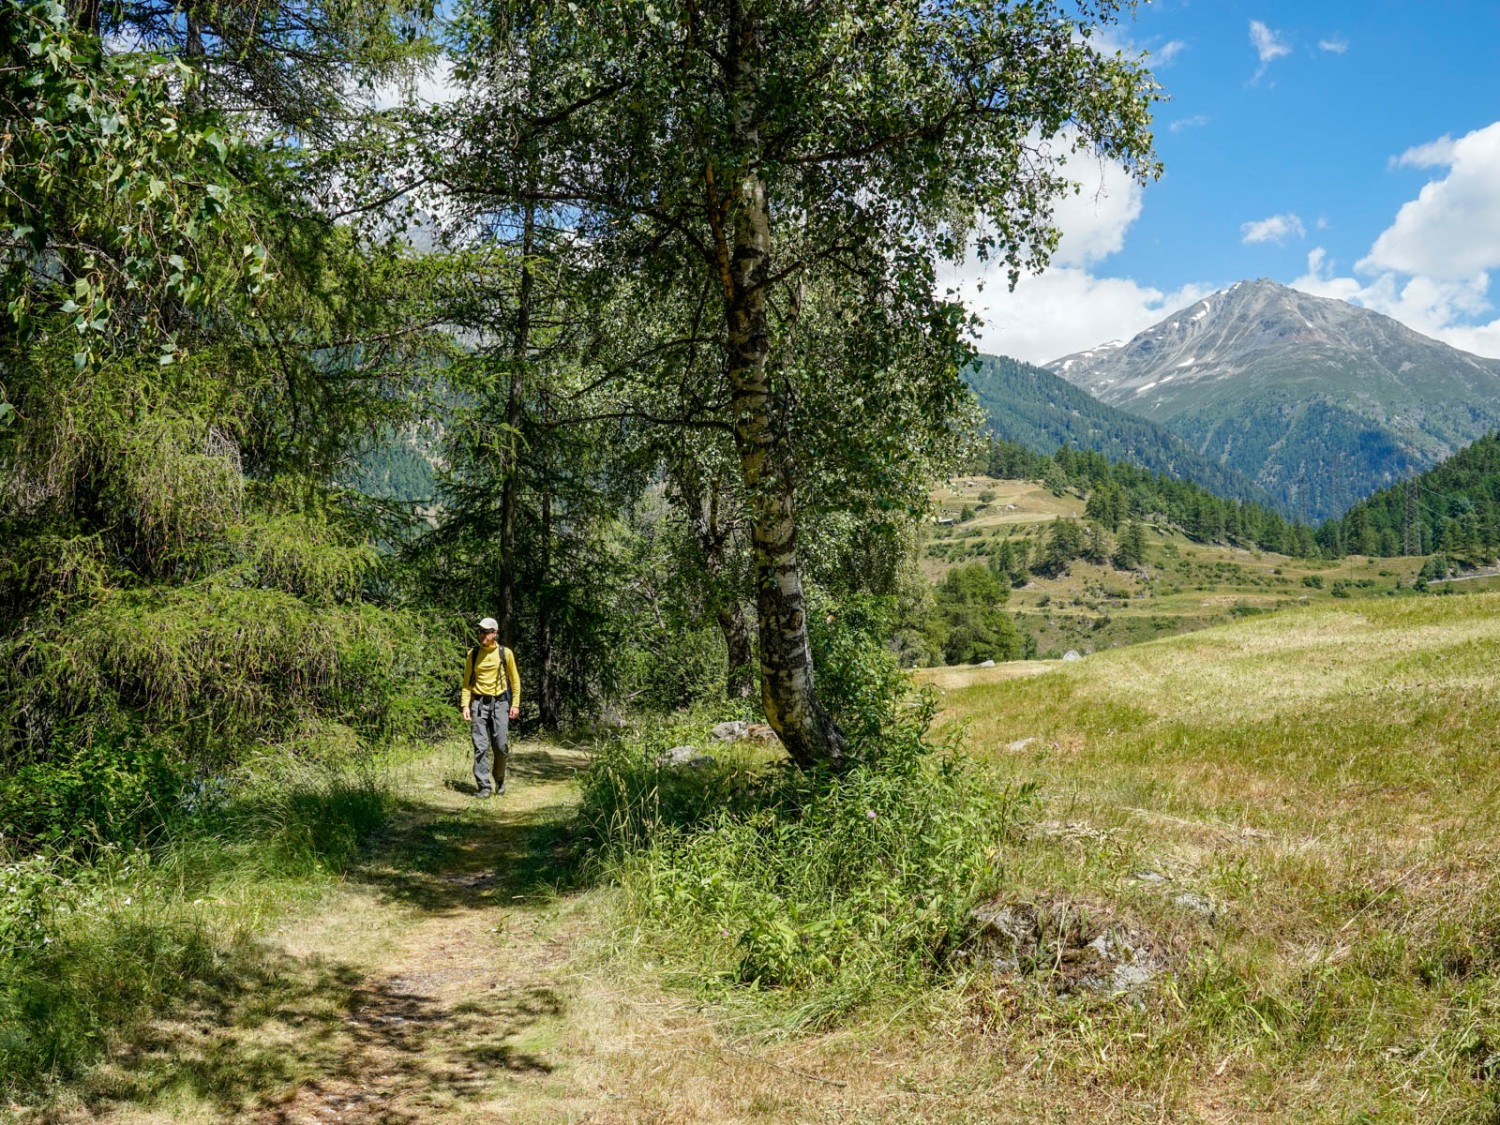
x,y
1074,946
731,731
1071,655
685,756
1196,904
987,664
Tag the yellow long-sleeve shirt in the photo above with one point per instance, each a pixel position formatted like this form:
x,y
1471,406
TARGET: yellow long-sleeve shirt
x,y
482,674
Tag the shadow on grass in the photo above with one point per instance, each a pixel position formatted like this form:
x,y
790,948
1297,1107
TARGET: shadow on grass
x,y
463,859
277,1039
270,1037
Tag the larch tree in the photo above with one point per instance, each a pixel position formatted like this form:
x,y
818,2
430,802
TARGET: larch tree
x,y
760,143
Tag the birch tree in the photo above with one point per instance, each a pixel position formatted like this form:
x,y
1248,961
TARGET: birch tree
x,y
756,143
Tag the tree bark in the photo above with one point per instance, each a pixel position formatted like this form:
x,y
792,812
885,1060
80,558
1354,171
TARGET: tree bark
x,y
547,699
788,694
712,536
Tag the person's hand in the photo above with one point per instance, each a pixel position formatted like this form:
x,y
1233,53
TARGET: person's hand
x,y
468,718
515,712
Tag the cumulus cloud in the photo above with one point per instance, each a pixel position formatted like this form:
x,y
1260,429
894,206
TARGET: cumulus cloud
x,y
1451,231
1431,268
1269,46
1068,308
1449,310
1336,45
1277,229
1065,310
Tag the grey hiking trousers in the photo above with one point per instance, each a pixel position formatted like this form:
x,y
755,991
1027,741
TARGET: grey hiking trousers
x,y
490,727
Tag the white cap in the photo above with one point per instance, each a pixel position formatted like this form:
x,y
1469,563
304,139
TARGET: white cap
x,y
488,623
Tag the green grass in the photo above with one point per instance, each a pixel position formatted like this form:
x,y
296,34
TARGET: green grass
x,y
93,950
1325,777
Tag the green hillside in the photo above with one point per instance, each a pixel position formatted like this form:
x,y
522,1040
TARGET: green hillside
x,y
1452,509
1035,408
1089,563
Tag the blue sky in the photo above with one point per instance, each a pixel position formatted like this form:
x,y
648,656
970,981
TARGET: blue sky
x,y
1349,149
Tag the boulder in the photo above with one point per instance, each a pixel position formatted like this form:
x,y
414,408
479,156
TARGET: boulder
x,y
1076,946
988,664
731,731
684,756
1197,904
1072,654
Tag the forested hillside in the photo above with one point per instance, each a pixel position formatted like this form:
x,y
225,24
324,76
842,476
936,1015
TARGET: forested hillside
x,y
1119,492
1452,510
1033,407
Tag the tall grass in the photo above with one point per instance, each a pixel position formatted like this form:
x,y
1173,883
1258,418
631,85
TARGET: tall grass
x,y
812,894
1325,777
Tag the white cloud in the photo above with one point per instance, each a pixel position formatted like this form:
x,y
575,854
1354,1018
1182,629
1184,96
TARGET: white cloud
x,y
1067,308
1431,268
433,85
1094,221
1268,45
1451,231
1189,122
1336,45
1164,54
1447,310
1277,229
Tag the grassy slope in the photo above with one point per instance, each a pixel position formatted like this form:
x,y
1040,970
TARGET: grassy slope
x,y
1184,586
1325,778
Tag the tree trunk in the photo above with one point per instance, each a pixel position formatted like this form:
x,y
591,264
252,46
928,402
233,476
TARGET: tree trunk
x,y
194,51
510,481
546,695
85,15
787,691
740,681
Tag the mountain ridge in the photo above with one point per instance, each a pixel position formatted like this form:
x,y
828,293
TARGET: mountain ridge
x,y
1033,407
1316,400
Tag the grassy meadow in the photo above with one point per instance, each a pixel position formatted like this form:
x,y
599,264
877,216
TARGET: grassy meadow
x,y
1184,586
1302,808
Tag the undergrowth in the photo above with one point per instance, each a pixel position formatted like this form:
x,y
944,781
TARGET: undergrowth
x,y
95,946
812,894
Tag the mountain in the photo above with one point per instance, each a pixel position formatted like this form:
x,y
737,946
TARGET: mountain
x,y
1033,407
1319,402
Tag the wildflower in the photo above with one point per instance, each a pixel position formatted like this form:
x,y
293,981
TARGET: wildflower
x,y
870,813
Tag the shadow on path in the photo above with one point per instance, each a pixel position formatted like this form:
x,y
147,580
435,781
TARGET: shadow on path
x,y
278,1038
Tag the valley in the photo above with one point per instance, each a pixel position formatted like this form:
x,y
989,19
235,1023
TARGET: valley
x,y
1181,585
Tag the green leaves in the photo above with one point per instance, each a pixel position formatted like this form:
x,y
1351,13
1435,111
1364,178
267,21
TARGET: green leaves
x,y
114,195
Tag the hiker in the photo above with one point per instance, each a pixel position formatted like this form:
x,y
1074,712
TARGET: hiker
x,y
490,700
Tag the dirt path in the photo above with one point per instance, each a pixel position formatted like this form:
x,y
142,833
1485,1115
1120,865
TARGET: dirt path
x,y
451,980
462,1001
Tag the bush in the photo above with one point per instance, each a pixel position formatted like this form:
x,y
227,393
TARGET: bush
x,y
826,891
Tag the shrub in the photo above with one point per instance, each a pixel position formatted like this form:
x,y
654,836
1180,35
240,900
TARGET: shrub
x,y
826,891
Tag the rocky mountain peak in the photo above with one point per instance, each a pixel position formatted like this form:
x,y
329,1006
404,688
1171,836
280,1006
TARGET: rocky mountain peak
x,y
1238,371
